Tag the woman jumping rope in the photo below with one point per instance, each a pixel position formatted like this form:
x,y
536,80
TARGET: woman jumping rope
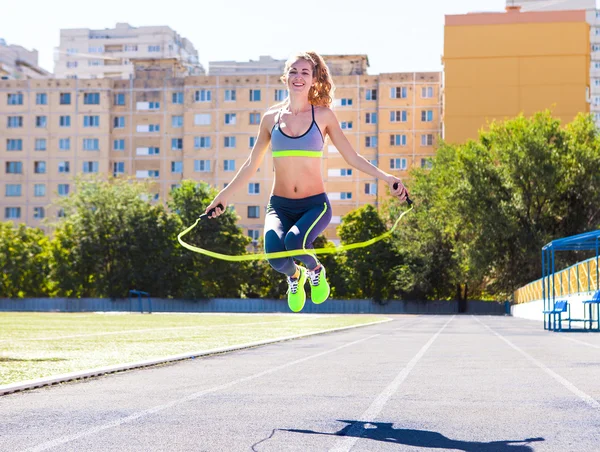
x,y
299,209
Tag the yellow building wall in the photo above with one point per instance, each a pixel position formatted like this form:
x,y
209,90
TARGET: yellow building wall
x,y
497,71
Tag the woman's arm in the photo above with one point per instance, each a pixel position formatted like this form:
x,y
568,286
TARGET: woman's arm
x,y
342,144
249,167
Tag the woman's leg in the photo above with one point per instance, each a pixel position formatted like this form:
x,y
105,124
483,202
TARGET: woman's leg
x,y
274,237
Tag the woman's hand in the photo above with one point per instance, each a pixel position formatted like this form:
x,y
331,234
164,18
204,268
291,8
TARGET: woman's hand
x,y
400,191
219,204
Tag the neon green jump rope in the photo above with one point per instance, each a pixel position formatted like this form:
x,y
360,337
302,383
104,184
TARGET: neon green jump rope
x,y
292,253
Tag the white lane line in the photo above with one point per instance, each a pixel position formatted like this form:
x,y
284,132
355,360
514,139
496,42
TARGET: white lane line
x,y
149,330
563,381
353,434
581,342
116,423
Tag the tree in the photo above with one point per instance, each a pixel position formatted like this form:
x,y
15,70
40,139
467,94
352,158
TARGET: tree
x,y
113,239
24,261
201,276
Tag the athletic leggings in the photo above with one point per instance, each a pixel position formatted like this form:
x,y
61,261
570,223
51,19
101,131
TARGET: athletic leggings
x,y
293,224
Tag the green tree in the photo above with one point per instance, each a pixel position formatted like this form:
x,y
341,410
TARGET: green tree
x,y
113,239
24,261
201,276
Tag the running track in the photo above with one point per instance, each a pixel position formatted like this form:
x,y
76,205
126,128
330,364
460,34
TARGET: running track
x,y
417,383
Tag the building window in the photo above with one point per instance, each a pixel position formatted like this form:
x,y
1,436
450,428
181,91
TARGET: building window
x,y
427,115
90,167
38,213
176,144
72,64
63,189
398,116
177,97
398,139
119,145
119,99
39,190
91,98
177,167
64,121
254,118
119,122
253,212
230,118
153,48
130,48
12,213
370,188
13,190
371,142
39,167
203,95
229,142
176,121
202,166
254,95
229,165
230,95
427,92
14,144
14,168
41,121
40,144
398,92
426,163
346,195
91,121
201,142
15,99
346,125
281,95
371,118
254,234
427,140
153,105
398,164
64,167
118,168
91,144
41,99
251,142
254,188
65,98
346,172
371,94
202,119
14,122
345,102
64,144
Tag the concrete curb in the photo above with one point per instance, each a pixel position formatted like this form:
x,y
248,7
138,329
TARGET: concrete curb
x,y
38,383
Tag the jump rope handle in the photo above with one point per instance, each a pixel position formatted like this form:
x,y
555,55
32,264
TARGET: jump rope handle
x,y
408,200
207,216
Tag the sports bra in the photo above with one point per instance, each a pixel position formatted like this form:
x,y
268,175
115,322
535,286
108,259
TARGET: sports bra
x,y
309,144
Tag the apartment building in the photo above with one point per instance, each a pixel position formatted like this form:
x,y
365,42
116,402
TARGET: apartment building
x,y
498,65
108,53
162,127
16,62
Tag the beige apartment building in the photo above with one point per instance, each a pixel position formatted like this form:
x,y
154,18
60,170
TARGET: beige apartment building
x,y
109,53
163,127
16,62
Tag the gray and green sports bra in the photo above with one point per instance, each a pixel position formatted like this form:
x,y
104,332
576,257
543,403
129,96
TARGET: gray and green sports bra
x,y
309,144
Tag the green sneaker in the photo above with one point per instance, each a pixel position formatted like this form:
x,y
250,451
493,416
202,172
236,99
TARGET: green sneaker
x,y
296,294
319,287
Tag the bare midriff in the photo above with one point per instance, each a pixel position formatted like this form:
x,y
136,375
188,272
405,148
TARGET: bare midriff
x,y
297,177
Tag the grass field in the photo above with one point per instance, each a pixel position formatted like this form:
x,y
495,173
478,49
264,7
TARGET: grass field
x,y
37,345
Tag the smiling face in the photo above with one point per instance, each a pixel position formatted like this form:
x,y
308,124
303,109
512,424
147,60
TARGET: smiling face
x,y
300,76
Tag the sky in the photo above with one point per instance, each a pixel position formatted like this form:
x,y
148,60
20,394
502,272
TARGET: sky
x,y
396,35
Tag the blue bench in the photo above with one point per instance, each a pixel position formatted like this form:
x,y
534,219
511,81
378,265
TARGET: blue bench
x,y
594,300
559,307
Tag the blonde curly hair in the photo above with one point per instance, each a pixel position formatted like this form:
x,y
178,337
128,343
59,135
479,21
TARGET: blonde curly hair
x,y
321,93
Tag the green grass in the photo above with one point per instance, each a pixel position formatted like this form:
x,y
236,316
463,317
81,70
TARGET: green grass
x,y
37,345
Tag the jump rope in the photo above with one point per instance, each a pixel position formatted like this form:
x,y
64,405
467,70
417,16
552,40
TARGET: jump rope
x,y
291,253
